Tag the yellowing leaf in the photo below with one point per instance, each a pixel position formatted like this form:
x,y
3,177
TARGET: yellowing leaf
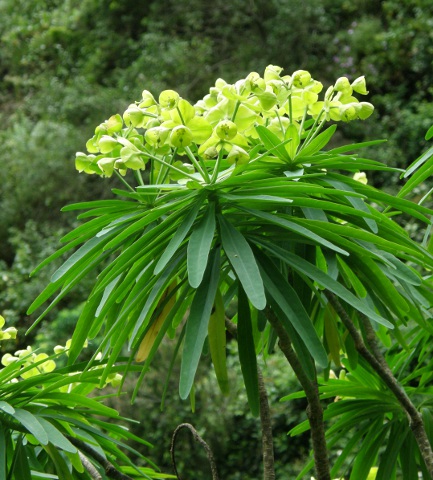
x,y
148,340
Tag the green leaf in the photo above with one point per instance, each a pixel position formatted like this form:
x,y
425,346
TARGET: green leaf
x,y
311,271
217,343
3,450
7,408
272,143
283,294
179,236
32,424
293,134
317,143
20,464
247,352
199,246
197,324
59,463
355,146
388,460
294,227
429,133
92,247
366,457
421,170
56,437
243,262
358,203
408,456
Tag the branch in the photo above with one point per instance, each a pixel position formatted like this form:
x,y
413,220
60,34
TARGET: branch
x,y
314,409
265,419
198,439
377,361
88,465
110,470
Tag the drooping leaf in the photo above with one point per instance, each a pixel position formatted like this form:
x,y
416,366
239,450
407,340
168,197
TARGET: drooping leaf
x,y
56,437
199,246
32,424
247,352
306,268
243,262
146,344
197,323
3,450
20,464
388,460
179,236
59,463
283,294
366,457
217,342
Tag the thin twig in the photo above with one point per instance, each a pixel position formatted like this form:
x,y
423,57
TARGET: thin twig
x,y
198,439
265,419
377,361
314,409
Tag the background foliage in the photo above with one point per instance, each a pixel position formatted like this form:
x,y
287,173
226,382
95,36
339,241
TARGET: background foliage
x,y
65,64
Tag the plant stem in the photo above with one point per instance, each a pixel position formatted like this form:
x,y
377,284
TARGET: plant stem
x,y
265,419
123,181
377,361
200,168
198,439
88,465
314,409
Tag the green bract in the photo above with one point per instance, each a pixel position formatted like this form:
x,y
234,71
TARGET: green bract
x,y
227,116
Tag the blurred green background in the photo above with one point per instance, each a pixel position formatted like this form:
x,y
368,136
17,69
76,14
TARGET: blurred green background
x,y
66,66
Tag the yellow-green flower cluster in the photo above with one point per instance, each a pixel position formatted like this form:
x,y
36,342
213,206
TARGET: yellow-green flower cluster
x,y
220,126
8,333
42,363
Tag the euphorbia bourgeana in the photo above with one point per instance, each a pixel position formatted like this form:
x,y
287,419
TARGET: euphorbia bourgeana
x,y
236,207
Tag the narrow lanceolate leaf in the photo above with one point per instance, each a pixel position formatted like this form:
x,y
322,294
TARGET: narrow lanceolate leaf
x,y
357,202
318,143
56,437
303,266
3,460
62,468
197,323
243,262
199,246
89,248
217,342
32,424
247,352
20,467
179,236
150,337
287,299
294,227
273,143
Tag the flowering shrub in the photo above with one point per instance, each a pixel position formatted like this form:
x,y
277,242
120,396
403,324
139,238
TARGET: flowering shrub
x,y
245,216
